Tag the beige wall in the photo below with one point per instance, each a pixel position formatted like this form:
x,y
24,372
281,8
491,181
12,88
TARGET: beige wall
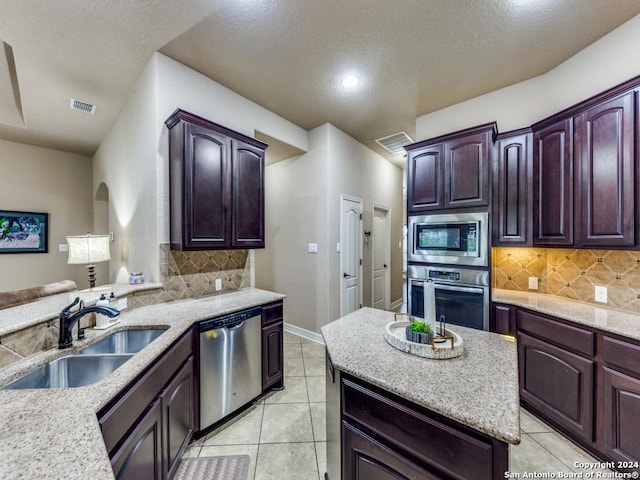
x,y
125,164
296,206
611,60
357,171
132,161
39,179
303,206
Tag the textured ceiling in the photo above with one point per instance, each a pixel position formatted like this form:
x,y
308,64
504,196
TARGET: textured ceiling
x,y
414,56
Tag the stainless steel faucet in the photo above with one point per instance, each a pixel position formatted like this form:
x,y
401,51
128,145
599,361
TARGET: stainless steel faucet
x,y
68,321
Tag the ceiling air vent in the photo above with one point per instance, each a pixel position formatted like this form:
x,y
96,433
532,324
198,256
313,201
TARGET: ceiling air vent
x,y
82,106
394,143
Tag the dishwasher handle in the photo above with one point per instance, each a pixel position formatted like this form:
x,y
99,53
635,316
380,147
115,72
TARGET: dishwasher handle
x,y
229,320
234,326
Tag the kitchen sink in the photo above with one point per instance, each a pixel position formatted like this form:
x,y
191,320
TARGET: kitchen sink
x,y
126,341
70,371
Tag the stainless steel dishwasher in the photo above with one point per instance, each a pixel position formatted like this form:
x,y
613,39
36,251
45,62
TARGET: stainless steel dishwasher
x,y
230,364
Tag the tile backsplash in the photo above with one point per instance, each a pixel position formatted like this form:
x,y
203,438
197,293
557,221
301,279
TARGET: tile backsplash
x,y
571,273
193,274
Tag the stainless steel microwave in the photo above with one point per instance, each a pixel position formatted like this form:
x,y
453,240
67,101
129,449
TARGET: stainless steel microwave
x,y
449,238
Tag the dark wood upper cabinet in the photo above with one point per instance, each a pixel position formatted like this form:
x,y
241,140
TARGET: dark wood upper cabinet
x,y
605,178
466,170
216,186
451,171
553,184
426,178
248,195
512,189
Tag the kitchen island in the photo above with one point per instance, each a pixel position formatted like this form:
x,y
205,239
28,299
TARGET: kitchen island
x,y
391,413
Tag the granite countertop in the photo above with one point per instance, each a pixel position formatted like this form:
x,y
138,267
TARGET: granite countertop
x,y
54,434
48,308
478,389
611,320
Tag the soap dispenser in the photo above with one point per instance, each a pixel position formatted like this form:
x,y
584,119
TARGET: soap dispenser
x,y
113,303
102,320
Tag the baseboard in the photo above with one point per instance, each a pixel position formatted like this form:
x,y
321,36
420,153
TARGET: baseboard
x,y
303,332
396,305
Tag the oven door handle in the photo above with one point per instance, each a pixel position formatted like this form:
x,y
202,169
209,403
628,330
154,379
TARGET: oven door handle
x,y
459,289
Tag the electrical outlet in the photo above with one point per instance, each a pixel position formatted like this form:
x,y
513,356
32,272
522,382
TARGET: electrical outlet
x,y
533,283
122,303
218,284
312,248
601,294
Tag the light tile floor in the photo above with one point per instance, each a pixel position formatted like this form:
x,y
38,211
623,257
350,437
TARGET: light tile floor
x,y
284,433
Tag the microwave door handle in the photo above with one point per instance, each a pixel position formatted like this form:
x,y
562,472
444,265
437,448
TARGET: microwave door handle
x,y
441,286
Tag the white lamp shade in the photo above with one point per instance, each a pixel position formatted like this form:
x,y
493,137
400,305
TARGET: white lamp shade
x,y
87,249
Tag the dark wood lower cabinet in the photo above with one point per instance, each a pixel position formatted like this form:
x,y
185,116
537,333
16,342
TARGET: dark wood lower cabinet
x,y
140,455
272,354
621,416
387,437
503,319
367,459
178,416
583,381
557,383
148,426
272,346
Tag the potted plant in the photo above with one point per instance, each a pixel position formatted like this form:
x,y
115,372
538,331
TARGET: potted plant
x,y
419,332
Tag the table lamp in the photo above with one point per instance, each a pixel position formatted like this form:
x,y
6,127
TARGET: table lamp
x,y
88,250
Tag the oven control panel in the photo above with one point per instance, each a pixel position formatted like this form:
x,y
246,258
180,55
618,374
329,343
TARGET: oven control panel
x,y
444,275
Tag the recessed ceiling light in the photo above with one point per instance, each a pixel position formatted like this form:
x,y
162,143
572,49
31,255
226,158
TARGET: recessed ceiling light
x,y
350,81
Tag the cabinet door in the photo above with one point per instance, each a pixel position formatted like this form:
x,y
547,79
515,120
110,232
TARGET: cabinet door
x,y
272,354
140,456
248,195
605,178
513,215
553,183
179,417
504,319
426,179
207,191
367,459
558,384
467,171
621,414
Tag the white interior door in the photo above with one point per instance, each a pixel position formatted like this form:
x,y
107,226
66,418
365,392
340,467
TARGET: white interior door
x,y
380,242
350,254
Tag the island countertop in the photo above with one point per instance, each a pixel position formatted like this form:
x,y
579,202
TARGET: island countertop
x,y
478,389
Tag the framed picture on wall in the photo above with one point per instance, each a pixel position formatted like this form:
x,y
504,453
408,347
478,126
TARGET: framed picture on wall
x,y
24,232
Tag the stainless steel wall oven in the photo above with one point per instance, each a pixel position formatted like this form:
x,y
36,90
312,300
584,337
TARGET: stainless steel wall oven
x,y
462,295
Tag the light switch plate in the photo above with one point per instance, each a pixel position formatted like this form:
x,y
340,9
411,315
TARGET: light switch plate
x,y
218,284
63,247
122,303
312,248
601,294
533,283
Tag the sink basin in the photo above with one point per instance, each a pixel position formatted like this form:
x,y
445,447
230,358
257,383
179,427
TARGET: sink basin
x,y
126,341
70,371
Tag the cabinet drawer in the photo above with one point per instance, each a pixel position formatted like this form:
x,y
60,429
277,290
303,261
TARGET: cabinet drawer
x,y
271,313
435,444
574,338
119,417
621,354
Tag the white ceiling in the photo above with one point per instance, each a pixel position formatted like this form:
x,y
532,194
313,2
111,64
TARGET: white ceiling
x,y
414,56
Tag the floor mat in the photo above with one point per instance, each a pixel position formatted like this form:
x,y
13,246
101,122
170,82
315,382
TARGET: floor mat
x,y
234,467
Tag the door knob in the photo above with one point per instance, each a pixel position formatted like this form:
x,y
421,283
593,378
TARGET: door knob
x,y
385,265
345,275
